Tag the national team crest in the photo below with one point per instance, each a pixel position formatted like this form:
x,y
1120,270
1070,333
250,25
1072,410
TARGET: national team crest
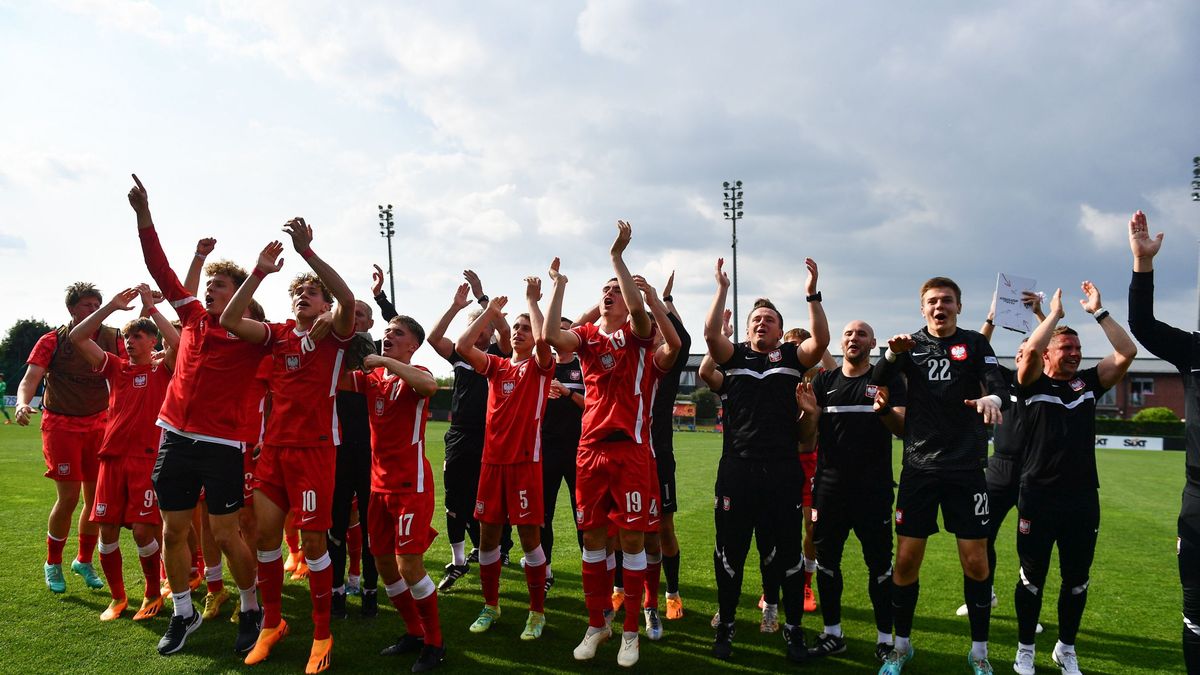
x,y
479,507
899,516
508,386
608,361
1023,526
101,509
872,389
1077,384
139,380
725,503
576,375
775,356
64,469
292,361
814,515
378,406
579,515
958,352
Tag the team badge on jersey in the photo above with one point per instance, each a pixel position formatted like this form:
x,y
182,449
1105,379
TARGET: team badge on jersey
x,y
576,375
872,389
579,515
508,386
101,509
292,361
608,361
725,503
64,469
775,356
1077,384
899,516
958,352
478,507
379,406
1023,526
139,381
814,514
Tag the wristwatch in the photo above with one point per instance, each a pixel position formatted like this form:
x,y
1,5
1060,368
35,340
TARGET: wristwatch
x,y
815,297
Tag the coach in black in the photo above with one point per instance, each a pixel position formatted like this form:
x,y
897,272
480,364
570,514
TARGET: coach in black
x,y
854,421
945,450
1181,349
1060,501
759,488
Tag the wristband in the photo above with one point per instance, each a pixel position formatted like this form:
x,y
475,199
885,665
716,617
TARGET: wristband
x,y
815,297
989,322
1100,314
483,300
307,253
259,273
668,298
890,355
201,256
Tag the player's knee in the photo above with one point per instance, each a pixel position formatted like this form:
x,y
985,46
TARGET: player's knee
x,y
1075,583
1031,581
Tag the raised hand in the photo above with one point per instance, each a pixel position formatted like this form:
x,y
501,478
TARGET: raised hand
x,y
497,304
645,287
147,295
806,399
554,274
722,277
269,261
533,289
881,398
558,390
205,246
727,323
1030,299
810,284
461,300
476,284
624,234
670,285
300,232
1056,308
124,300
377,281
1140,242
138,198
321,327
1092,302
901,343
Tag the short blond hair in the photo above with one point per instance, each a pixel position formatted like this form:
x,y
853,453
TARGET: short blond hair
x,y
310,278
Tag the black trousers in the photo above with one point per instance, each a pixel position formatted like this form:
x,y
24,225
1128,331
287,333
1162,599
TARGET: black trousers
x,y
352,478
762,499
558,466
1189,578
838,510
1003,476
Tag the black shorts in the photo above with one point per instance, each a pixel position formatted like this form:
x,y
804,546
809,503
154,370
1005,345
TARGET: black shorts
x,y
1003,475
839,509
460,472
184,466
962,497
665,462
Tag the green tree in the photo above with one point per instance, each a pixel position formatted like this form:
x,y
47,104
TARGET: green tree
x,y
15,348
706,403
1157,414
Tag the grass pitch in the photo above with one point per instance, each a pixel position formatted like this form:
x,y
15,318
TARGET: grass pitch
x,y
1132,623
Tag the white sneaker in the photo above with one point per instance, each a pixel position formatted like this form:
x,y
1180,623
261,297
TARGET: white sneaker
x,y
1039,629
1066,660
628,656
1024,663
591,641
962,609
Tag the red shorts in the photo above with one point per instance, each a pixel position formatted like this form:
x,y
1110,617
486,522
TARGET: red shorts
x,y
400,523
808,462
510,493
617,483
72,455
125,493
248,463
299,480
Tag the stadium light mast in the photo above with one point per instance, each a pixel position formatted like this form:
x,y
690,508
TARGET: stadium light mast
x,y
733,211
1196,198
386,230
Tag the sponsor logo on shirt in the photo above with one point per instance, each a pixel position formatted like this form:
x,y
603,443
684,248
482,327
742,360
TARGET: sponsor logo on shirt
x,y
775,356
958,352
379,406
64,468
899,516
292,361
608,361
139,381
1077,384
508,386
1023,526
872,389
101,509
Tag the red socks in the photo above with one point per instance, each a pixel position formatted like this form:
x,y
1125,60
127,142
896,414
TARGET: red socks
x,y
634,581
270,585
111,564
652,581
428,609
596,585
87,545
54,550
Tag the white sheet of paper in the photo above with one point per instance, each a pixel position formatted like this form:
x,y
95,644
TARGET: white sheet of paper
x,y
1011,313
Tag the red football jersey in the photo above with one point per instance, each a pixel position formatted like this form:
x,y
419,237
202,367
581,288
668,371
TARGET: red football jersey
x,y
304,377
516,400
135,395
212,367
620,378
397,414
253,402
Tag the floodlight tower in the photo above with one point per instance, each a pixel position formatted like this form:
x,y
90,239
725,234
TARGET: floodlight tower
x,y
1196,198
386,230
733,211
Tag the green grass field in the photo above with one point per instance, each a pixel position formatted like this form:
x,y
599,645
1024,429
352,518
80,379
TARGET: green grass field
x,y
1131,625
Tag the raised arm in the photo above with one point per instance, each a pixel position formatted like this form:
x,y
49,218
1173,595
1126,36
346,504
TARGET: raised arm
x,y
812,350
1114,366
203,247
710,374
465,346
638,317
166,329
667,353
502,329
386,309
541,349
437,337
234,317
156,260
562,340
1030,368
719,346
590,315
83,331
1163,340
343,312
421,380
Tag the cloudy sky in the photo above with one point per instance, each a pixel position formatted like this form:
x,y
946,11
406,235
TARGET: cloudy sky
x,y
890,142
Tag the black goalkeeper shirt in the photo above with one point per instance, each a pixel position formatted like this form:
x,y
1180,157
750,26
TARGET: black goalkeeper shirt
x,y
855,445
1060,425
760,402
562,422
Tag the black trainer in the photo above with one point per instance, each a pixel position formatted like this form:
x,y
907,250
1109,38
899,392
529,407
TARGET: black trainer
x,y
473,556
882,649
337,605
549,584
723,643
405,644
178,632
370,603
431,657
453,574
829,644
797,652
504,561
249,625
